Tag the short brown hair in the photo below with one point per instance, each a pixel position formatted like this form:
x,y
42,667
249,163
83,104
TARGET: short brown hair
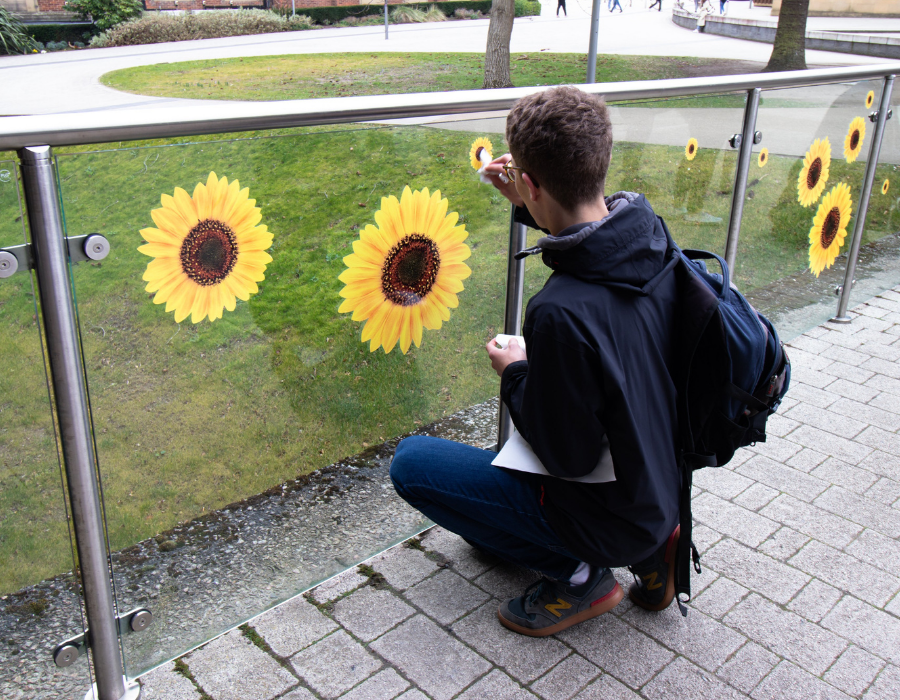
x,y
562,137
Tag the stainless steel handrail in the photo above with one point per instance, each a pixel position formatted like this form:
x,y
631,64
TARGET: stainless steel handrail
x,y
106,126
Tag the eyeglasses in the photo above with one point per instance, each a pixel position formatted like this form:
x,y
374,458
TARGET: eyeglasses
x,y
507,168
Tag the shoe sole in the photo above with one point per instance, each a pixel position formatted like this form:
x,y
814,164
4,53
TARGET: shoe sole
x,y
603,605
634,590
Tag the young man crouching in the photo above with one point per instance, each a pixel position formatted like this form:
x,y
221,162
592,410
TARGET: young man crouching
x,y
596,382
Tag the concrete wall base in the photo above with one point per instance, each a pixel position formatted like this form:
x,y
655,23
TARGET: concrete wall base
x,y
764,31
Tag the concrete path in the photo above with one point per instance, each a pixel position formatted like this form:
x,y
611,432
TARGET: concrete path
x,y
798,597
69,81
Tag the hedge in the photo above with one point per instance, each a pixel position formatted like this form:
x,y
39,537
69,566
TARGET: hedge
x,y
333,15
71,32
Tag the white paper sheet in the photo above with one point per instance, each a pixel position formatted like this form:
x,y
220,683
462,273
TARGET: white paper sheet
x,y
518,455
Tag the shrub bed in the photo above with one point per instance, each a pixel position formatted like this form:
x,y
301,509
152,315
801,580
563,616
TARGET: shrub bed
x,y
155,28
69,33
333,15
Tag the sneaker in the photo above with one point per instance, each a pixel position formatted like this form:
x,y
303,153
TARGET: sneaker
x,y
548,606
654,578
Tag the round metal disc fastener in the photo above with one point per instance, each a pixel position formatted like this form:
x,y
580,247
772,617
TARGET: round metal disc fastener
x,y
96,247
141,620
8,264
65,655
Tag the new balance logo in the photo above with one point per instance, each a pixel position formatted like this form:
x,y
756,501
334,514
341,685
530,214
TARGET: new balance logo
x,y
652,583
555,608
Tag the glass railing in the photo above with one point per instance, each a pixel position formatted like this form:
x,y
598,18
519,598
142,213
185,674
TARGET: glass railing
x,y
812,157
38,591
254,346
194,416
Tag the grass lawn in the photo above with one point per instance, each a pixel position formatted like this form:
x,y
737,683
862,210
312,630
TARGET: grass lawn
x,y
189,418
336,75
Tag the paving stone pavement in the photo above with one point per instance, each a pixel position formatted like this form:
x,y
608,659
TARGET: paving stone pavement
x,y
799,596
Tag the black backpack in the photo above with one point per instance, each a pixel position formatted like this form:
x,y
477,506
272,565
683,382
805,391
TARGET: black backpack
x,y
732,375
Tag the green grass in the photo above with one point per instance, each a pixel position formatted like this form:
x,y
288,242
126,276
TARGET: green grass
x,y
336,75
190,418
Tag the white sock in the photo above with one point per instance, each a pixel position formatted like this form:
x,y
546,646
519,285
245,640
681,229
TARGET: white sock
x,y
581,574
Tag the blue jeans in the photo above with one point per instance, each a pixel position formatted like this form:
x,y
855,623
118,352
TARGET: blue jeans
x,y
495,509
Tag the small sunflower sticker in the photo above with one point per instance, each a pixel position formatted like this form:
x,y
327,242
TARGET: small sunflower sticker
x,y
829,228
690,151
405,273
207,250
763,158
870,99
885,186
815,171
481,149
854,139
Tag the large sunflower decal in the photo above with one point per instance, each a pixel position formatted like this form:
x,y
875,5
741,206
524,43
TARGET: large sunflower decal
x,y
854,139
763,157
690,151
481,149
207,250
870,98
829,228
815,171
404,274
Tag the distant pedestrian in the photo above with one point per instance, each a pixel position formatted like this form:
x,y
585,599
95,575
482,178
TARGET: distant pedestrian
x,y
657,4
562,4
614,5
722,6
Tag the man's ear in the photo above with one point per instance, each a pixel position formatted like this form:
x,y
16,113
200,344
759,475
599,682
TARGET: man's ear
x,y
533,190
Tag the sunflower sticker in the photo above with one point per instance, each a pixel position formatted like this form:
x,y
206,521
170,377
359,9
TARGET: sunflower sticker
x,y
207,250
854,138
870,99
405,273
763,158
829,228
480,153
815,171
690,151
885,186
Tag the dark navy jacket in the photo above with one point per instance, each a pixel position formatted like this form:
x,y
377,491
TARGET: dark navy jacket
x,y
599,339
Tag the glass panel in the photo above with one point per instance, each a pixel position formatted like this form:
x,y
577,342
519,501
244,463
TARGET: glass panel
x,y
39,597
774,262
246,459
691,191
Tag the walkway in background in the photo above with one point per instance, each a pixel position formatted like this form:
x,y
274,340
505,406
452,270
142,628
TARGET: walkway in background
x,y
69,81
798,597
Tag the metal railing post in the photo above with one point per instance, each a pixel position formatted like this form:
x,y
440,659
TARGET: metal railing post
x,y
515,294
868,179
69,389
748,135
592,46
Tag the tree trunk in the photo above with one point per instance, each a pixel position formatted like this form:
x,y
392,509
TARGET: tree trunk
x,y
789,50
496,56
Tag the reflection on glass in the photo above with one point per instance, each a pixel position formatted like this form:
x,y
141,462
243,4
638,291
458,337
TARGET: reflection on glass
x,y
209,434
39,597
803,199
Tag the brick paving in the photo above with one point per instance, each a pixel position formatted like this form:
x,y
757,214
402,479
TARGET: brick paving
x,y
799,596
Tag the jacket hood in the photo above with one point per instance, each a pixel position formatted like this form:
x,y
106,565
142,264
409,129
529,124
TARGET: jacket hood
x,y
629,249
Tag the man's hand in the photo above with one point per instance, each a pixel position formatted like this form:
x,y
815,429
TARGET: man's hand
x,y
501,358
507,189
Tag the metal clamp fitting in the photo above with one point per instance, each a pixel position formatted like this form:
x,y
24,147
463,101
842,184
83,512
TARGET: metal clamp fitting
x,y
67,653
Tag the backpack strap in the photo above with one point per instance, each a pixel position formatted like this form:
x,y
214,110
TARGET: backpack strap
x,y
686,551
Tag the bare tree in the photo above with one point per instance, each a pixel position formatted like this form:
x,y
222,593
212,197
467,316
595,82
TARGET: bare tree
x,y
496,56
789,50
